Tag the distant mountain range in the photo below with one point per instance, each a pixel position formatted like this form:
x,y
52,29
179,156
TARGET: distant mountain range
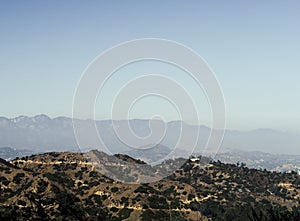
x,y
42,133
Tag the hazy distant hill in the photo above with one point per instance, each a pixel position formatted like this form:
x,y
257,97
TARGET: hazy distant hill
x,y
41,133
150,154
261,160
64,186
8,153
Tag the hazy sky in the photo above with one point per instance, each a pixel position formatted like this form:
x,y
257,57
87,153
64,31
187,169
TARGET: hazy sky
x,y
252,46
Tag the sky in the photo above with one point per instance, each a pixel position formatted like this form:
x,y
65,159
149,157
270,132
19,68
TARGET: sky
x,y
253,47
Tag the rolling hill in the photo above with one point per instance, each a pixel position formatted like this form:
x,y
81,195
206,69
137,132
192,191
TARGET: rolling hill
x,y
67,186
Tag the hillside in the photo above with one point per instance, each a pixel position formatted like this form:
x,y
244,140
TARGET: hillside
x,y
68,186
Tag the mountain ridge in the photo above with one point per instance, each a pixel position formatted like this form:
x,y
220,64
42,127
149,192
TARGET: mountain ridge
x,y
40,133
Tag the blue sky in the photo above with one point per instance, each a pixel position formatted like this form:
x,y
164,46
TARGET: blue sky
x,y
252,46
